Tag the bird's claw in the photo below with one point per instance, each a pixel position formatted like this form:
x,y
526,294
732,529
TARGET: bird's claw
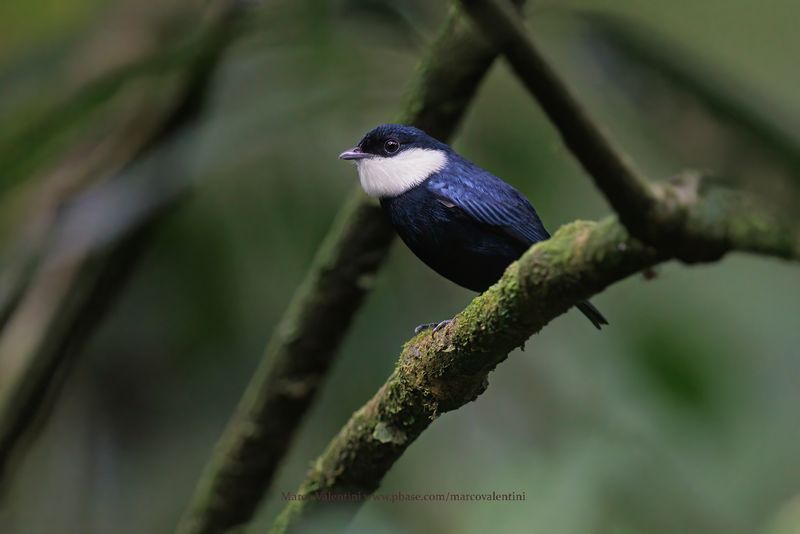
x,y
442,325
423,327
436,326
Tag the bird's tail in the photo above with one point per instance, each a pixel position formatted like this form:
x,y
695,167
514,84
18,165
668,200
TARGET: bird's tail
x,y
592,313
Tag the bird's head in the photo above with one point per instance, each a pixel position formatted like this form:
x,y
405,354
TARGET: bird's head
x,y
393,158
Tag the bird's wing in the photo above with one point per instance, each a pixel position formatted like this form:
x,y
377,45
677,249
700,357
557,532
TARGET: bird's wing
x,y
489,200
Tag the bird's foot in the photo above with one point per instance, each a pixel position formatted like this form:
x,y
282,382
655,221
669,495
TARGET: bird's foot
x,y
442,325
436,326
423,327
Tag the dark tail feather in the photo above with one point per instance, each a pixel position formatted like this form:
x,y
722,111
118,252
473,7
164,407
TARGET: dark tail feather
x,y
592,314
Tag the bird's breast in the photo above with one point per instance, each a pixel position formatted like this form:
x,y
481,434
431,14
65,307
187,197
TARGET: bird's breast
x,y
453,244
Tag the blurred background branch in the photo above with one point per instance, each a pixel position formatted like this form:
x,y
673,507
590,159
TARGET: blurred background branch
x,y
72,269
724,95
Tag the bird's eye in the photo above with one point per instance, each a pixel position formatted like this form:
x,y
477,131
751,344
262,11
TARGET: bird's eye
x,y
391,146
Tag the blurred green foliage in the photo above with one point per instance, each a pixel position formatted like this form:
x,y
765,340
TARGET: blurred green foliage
x,y
680,417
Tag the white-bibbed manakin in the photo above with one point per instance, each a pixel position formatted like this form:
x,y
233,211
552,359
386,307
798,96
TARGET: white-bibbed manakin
x,y
464,222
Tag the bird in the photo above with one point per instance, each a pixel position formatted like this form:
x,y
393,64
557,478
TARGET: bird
x,y
462,221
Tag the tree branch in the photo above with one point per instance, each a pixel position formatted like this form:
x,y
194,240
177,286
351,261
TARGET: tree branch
x,y
64,300
670,214
628,193
725,96
440,372
305,344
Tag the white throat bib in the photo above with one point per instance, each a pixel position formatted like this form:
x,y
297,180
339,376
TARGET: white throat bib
x,y
389,177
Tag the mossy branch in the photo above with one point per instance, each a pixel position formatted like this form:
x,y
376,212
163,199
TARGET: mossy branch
x,y
666,214
305,344
439,372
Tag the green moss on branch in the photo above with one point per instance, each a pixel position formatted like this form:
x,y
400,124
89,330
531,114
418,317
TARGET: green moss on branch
x,y
680,218
440,372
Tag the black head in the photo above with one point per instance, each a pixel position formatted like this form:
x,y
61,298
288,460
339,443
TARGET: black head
x,y
388,140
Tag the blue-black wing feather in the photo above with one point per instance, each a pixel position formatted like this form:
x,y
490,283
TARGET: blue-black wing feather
x,y
488,200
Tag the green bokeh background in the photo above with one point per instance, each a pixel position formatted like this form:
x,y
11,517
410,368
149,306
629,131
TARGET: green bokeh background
x,y
682,416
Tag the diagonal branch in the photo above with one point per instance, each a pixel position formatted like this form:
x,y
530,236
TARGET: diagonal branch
x,y
673,215
60,302
728,98
628,193
305,344
440,372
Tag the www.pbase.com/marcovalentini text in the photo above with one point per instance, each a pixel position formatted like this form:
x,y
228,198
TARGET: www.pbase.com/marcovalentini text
x,y
399,496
